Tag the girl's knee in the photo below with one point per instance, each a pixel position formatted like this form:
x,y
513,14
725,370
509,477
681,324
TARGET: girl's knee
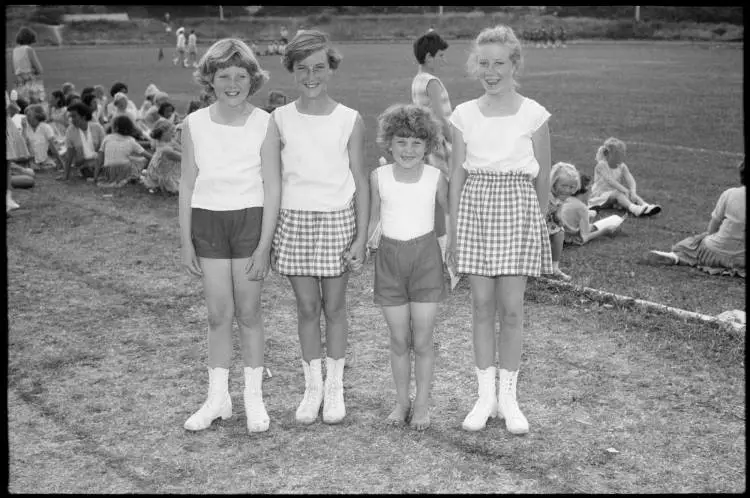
x,y
248,317
399,346
424,346
512,318
220,317
308,309
484,310
335,312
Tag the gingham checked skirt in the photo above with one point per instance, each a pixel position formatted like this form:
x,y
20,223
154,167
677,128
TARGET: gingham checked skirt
x,y
312,243
501,230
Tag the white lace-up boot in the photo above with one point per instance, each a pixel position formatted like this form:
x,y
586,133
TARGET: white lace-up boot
x,y
486,405
308,409
255,410
334,410
507,407
218,402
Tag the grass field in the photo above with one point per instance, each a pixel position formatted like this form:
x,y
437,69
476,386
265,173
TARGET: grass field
x,y
106,341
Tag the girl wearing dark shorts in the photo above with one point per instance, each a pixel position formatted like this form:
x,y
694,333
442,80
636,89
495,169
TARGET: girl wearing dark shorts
x,y
230,190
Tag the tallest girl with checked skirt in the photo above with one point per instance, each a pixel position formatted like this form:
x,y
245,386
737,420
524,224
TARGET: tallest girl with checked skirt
x,y
322,227
499,180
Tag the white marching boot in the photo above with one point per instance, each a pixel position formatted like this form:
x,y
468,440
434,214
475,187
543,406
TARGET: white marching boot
x,y
255,410
217,404
486,405
334,410
507,407
307,412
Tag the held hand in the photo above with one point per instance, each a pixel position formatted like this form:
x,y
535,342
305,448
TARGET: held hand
x,y
355,256
450,255
190,261
258,266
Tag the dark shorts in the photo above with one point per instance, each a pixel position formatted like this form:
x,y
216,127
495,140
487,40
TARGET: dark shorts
x,y
226,234
409,271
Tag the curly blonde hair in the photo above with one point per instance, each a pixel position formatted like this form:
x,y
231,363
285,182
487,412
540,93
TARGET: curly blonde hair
x,y
226,53
501,35
306,43
610,144
409,120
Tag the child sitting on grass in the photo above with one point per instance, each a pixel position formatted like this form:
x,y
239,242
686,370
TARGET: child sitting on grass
x,y
119,154
564,182
614,186
163,172
574,216
409,280
40,138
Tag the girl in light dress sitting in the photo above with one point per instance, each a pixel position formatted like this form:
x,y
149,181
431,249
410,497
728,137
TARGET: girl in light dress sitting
x,y
40,138
575,217
564,181
119,155
614,185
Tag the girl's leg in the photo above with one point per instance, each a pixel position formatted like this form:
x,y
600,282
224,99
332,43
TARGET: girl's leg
x,y
483,310
217,285
399,324
623,201
334,309
423,317
248,314
510,291
307,294
250,321
510,295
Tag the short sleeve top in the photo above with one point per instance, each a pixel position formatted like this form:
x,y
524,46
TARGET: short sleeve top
x,y
118,149
419,93
500,144
730,211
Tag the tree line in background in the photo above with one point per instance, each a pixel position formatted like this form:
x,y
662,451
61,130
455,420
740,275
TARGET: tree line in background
x,y
53,14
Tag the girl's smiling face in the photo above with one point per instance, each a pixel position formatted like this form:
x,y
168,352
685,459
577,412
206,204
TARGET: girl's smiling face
x,y
408,152
231,85
494,69
312,74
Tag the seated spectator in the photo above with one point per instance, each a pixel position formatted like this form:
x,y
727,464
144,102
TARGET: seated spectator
x,y
152,115
17,112
101,101
16,152
71,99
116,88
614,186
722,246
68,88
163,172
58,113
276,98
40,138
83,138
148,101
574,217
564,182
121,158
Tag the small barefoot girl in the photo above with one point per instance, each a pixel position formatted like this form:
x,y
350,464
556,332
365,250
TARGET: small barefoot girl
x,y
409,280
322,226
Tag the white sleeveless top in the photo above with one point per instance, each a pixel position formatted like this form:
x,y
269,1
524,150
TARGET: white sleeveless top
x,y
407,210
315,174
419,93
228,161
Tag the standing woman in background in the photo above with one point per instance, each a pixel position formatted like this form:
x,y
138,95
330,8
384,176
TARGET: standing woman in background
x,y
28,69
322,226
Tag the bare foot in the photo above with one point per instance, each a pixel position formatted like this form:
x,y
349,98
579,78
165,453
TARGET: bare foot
x,y
398,415
420,419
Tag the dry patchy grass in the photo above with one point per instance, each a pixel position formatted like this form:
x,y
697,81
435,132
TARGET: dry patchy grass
x,y
106,360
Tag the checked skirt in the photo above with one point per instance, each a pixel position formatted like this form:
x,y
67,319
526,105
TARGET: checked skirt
x,y
313,243
501,230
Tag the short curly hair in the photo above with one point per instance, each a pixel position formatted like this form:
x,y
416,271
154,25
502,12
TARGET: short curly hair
x,y
25,36
409,120
501,35
226,53
306,43
161,127
36,110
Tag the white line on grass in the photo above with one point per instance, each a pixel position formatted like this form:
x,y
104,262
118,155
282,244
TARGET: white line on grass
x,y
652,144
648,304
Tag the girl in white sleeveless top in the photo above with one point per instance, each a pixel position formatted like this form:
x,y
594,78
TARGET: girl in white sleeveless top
x,y
409,280
322,226
499,185
229,197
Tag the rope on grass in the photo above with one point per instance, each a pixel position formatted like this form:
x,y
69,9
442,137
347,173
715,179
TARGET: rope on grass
x,y
733,326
